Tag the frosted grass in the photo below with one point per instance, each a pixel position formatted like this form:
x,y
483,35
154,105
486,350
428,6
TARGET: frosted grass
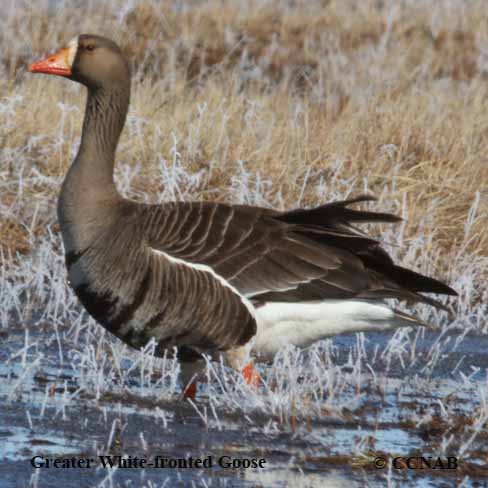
x,y
49,335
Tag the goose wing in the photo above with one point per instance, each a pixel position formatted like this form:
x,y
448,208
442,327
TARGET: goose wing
x,y
249,248
300,255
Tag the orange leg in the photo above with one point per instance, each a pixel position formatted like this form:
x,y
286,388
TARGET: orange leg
x,y
251,376
190,391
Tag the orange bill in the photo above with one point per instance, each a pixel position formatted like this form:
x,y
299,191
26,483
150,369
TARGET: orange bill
x,y
57,64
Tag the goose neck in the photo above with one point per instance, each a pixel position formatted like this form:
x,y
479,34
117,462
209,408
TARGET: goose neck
x,y
105,114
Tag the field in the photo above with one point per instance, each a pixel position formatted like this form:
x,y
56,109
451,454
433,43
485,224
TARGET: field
x,y
274,103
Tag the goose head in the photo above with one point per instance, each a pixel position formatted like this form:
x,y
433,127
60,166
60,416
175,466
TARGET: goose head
x,y
92,60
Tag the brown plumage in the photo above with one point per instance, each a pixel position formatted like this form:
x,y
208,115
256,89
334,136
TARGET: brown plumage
x,y
195,274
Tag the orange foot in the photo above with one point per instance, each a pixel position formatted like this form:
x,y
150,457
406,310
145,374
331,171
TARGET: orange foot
x,y
190,391
251,376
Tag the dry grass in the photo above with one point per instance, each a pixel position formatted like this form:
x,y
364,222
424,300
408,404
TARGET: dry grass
x,y
389,95
269,102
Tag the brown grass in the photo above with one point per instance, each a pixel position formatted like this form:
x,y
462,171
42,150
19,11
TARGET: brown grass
x,y
396,94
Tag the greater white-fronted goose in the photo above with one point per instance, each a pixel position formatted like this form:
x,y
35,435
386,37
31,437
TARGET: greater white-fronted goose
x,y
210,277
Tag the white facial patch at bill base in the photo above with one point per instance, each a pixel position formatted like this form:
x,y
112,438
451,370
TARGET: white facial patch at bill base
x,y
72,48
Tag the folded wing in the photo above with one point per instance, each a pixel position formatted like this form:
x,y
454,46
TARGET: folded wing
x,y
302,255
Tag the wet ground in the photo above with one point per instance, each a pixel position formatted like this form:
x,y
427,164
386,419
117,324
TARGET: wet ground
x,y
433,405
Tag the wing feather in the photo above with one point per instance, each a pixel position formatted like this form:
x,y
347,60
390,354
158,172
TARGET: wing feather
x,y
300,255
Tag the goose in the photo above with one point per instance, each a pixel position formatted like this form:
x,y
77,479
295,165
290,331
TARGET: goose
x,y
212,278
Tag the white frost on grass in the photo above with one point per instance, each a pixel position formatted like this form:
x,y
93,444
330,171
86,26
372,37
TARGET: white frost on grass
x,y
298,390
296,386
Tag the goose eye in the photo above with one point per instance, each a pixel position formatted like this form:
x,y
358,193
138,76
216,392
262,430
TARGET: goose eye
x,y
90,47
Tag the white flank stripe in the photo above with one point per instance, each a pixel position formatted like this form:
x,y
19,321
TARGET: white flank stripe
x,y
208,269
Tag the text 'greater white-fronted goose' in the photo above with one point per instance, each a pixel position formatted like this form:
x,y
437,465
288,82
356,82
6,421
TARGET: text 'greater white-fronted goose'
x,y
210,277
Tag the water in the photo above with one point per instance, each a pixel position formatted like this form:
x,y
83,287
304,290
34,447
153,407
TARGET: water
x,y
384,409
